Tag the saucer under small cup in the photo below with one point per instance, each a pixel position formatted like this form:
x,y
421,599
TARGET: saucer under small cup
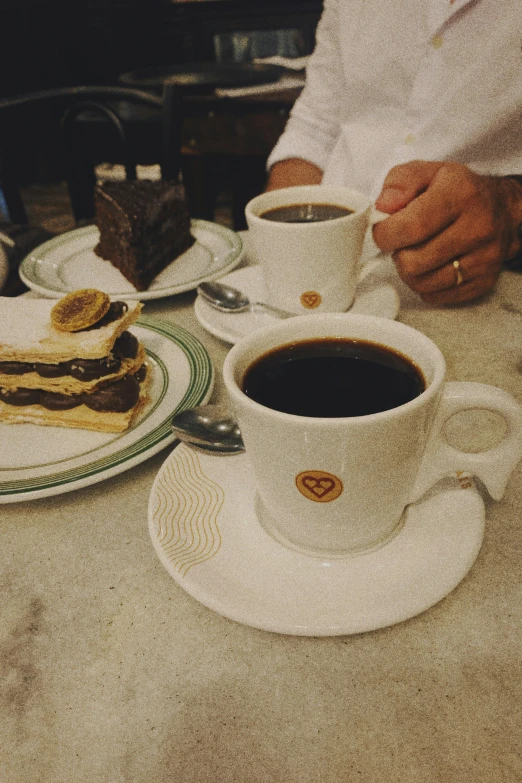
x,y
204,528
374,296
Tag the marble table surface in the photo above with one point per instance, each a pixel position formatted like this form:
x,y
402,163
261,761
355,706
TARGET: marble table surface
x,y
111,673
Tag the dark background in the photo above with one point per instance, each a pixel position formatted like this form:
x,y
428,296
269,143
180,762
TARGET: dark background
x,y
53,43
62,43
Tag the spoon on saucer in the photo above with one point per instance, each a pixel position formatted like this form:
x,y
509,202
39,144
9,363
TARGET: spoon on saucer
x,y
208,428
230,300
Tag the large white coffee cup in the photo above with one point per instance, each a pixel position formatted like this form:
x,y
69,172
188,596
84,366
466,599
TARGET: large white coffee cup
x,y
366,469
310,267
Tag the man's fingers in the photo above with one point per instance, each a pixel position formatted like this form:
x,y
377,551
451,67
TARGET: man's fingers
x,y
464,293
460,238
429,214
438,280
471,277
404,182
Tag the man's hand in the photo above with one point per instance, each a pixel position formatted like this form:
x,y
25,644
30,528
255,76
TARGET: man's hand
x,y
444,212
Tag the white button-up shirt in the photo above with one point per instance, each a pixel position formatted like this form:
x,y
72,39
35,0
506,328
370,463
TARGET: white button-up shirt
x,y
398,80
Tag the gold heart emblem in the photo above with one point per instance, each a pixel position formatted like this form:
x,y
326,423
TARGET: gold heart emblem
x,y
319,486
311,299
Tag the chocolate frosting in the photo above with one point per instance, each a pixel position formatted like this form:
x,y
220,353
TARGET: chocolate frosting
x,y
116,397
125,347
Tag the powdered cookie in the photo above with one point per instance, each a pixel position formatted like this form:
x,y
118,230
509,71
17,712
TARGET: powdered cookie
x,y
79,310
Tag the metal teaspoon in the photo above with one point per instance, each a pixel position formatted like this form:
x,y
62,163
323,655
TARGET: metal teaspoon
x,y
209,428
230,300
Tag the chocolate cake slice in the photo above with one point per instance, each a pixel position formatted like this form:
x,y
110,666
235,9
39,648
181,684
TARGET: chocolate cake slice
x,y
144,225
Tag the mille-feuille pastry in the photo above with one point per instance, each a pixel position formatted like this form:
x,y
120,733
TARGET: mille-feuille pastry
x,y
71,363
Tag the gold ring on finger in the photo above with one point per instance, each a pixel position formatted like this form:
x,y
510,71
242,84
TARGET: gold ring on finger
x,y
459,279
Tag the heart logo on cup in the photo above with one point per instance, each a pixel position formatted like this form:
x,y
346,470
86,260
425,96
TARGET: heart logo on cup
x,y
319,486
311,299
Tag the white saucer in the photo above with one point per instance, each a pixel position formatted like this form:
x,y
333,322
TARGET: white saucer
x,y
68,261
205,532
374,297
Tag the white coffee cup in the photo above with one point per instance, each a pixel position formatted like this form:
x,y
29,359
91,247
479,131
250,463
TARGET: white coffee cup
x,y
310,267
371,466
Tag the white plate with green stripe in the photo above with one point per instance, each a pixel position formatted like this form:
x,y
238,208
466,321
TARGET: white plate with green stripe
x,y
68,262
37,461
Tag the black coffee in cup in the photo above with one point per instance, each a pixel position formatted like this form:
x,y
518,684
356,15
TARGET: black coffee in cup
x,y
306,213
333,377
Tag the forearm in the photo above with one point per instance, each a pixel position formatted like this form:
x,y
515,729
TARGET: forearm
x,y
293,171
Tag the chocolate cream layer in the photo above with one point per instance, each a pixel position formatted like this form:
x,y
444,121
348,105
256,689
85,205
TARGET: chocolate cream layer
x,y
125,347
114,397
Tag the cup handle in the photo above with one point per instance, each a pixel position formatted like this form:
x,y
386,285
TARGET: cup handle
x,y
368,265
493,466
376,216
367,268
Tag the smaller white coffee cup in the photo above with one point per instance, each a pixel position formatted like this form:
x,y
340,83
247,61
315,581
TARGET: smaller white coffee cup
x,y
311,266
363,470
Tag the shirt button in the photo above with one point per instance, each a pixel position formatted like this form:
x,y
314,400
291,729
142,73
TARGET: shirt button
x,y
437,41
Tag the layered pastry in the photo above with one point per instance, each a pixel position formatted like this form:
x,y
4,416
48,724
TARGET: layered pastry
x,y
144,226
71,363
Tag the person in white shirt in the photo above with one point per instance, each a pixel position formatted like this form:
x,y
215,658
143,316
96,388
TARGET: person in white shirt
x,y
418,103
